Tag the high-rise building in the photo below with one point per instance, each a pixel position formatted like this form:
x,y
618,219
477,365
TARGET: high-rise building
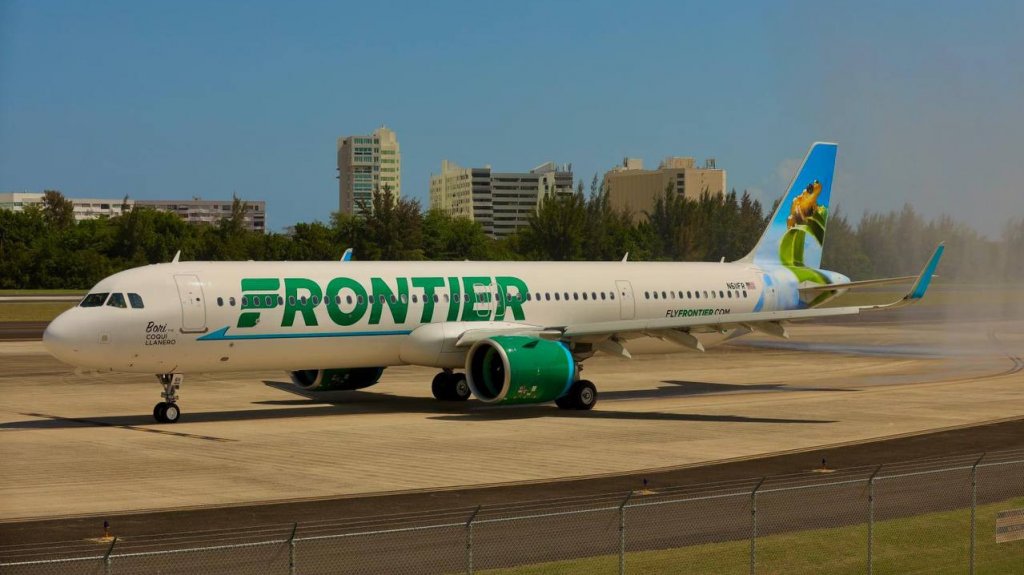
x,y
367,163
631,187
500,201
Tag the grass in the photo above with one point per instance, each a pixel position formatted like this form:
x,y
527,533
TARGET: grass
x,y
42,292
933,543
34,311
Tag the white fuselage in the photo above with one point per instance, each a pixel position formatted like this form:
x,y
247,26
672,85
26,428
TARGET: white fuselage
x,y
234,316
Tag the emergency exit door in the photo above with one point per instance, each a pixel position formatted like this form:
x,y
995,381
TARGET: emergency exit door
x,y
627,307
193,304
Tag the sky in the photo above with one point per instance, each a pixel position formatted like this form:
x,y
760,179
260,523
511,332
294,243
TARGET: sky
x,y
161,100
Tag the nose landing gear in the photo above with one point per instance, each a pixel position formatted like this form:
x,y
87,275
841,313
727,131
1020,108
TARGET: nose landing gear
x,y
168,411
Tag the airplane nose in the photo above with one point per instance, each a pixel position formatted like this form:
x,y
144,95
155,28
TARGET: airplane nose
x,y
58,339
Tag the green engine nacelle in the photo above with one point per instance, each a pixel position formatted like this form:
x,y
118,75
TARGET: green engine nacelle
x,y
519,369
336,379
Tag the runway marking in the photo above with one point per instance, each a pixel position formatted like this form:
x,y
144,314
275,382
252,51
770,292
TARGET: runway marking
x,y
98,423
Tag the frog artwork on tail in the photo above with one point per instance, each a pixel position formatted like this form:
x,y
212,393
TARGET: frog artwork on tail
x,y
805,216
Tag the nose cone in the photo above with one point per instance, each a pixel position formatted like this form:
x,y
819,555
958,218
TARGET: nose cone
x,y
59,339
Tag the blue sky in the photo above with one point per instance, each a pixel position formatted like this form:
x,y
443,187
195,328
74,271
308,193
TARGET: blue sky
x,y
175,99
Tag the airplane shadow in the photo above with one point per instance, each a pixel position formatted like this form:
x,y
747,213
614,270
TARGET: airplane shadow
x,y
335,403
678,388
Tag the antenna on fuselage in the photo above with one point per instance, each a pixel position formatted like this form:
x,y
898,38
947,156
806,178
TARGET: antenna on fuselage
x,y
177,255
625,257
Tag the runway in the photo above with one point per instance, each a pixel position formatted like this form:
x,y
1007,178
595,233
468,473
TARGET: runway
x,y
85,444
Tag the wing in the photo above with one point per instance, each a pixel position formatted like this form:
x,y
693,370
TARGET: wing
x,y
609,336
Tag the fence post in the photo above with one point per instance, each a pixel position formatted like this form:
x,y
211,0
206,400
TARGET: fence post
x,y
871,520
469,540
291,549
106,558
753,527
974,506
622,533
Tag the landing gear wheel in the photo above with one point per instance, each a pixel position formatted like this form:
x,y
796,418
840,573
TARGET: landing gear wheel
x,y
460,387
172,413
440,388
448,386
167,411
582,396
158,411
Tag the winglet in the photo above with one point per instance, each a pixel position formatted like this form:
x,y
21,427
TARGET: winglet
x,y
920,286
347,256
923,280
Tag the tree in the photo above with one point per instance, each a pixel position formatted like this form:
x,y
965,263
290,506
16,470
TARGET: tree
x,y
58,210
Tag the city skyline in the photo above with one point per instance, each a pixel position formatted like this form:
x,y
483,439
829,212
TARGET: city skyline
x,y
192,99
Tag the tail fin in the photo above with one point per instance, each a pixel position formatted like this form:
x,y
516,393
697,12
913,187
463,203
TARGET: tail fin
x,y
796,232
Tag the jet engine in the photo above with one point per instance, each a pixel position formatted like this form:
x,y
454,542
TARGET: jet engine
x,y
336,379
512,369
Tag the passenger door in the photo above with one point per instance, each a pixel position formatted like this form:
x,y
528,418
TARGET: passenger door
x,y
627,307
193,306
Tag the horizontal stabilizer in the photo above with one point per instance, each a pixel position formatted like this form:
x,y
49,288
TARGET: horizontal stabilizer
x,y
857,285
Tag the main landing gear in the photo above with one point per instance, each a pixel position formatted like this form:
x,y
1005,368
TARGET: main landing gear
x,y
582,396
450,386
167,411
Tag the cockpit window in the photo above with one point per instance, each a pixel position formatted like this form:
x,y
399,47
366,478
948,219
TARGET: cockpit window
x,y
117,300
136,300
94,299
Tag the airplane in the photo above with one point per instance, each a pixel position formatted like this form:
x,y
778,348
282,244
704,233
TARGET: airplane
x,y
503,332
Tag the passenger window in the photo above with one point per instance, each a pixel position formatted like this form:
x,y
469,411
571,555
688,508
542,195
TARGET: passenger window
x,y
602,295
689,295
220,302
315,299
94,299
280,300
269,300
647,295
584,296
359,299
655,294
117,300
436,299
547,296
575,295
415,298
744,293
348,299
720,294
557,296
231,301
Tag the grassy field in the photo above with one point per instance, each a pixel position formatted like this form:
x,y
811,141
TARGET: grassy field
x,y
32,311
42,292
934,543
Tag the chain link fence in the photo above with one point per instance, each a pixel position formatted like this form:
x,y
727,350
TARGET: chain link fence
x,y
950,515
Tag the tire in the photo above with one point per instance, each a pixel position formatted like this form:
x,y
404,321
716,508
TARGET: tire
x,y
582,396
565,402
158,412
459,389
172,413
440,387
585,396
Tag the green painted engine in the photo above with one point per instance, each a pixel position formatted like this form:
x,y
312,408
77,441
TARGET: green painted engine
x,y
519,369
336,379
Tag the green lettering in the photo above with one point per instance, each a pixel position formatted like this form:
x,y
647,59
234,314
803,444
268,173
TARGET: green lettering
x,y
469,311
294,302
428,285
453,306
338,315
398,304
515,303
